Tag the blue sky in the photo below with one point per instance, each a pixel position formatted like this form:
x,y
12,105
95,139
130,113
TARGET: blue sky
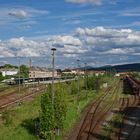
x,y
99,32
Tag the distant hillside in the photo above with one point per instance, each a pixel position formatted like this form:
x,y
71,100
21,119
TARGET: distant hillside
x,y
118,68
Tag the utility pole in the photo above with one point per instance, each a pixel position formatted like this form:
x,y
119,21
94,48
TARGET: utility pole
x,y
85,76
53,93
30,63
85,79
19,75
78,84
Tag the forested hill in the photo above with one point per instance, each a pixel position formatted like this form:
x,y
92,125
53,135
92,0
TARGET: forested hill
x,y
118,68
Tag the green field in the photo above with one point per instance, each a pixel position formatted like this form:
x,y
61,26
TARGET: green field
x,y
18,123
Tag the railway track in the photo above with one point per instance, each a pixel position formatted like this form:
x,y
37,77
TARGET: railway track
x,y
126,110
127,107
14,98
102,114
96,113
89,115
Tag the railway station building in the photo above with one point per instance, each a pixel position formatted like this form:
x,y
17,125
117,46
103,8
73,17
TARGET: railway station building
x,y
40,73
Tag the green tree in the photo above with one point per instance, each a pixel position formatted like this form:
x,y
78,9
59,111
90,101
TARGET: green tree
x,y
52,117
9,66
73,87
60,106
46,124
24,71
1,76
90,83
97,84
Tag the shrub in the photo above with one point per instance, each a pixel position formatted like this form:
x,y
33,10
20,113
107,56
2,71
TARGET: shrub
x,y
46,116
7,117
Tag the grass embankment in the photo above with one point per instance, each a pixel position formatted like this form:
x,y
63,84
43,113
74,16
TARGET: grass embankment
x,y
3,85
17,124
12,89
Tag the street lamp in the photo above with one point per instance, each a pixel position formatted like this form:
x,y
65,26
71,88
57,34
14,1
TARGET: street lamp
x,y
53,94
85,76
78,83
53,50
18,58
85,79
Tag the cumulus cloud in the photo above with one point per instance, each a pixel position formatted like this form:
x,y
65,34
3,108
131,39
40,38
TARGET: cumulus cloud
x,y
18,13
98,44
26,12
69,49
105,43
62,40
103,32
26,52
95,2
23,47
5,53
119,51
101,36
29,47
67,45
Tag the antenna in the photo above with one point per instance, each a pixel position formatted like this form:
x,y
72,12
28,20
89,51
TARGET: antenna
x,y
30,63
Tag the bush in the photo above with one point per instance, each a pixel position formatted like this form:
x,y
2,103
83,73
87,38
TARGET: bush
x,y
60,107
46,116
73,87
7,117
93,83
49,120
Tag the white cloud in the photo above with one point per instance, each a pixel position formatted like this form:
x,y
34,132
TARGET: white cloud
x,y
26,52
101,36
70,55
97,44
62,40
4,52
18,13
23,47
25,12
119,51
38,47
9,15
67,45
103,32
104,42
95,2
69,49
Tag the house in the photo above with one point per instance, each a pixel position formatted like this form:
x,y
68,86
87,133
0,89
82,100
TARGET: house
x,y
41,72
95,72
73,71
8,72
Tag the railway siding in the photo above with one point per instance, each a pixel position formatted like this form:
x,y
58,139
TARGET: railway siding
x,y
96,114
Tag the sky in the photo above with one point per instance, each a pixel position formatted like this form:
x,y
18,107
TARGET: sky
x,y
97,32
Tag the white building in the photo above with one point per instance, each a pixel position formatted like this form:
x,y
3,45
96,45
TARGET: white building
x,y
117,74
73,71
41,72
8,72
